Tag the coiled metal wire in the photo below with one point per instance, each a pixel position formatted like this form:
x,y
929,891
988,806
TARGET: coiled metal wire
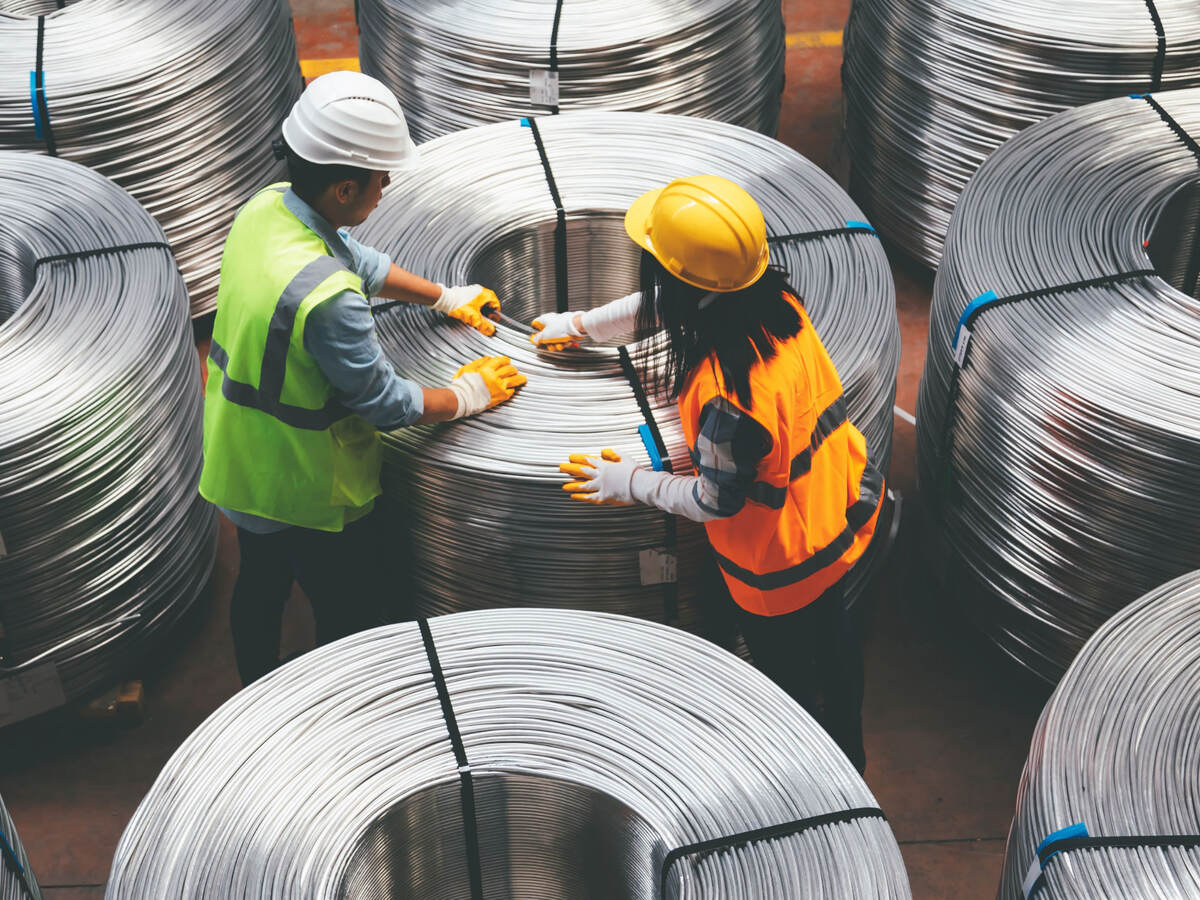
x,y
478,210
1116,748
932,87
460,63
15,885
106,541
176,102
1063,473
595,743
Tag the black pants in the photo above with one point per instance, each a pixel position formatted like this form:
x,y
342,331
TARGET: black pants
x,y
344,574
813,654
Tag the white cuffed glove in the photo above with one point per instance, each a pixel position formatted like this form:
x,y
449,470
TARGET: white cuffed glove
x,y
470,304
609,480
557,331
484,383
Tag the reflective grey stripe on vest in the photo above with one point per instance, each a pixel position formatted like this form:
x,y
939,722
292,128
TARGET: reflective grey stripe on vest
x,y
266,397
857,515
829,421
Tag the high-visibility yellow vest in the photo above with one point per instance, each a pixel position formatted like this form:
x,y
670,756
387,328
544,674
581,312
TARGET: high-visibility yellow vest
x,y
813,507
277,443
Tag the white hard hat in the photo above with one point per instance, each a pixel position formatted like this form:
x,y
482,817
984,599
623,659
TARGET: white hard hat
x,y
350,119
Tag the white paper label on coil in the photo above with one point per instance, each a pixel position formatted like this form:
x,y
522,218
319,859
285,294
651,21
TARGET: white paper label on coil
x,y
543,87
30,692
657,566
960,349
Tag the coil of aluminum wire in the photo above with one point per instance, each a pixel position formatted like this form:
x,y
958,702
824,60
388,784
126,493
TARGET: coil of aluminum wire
x,y
478,210
596,744
16,878
458,64
176,102
1063,465
1115,750
933,87
105,541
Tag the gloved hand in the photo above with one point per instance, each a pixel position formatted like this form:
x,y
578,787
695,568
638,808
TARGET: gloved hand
x,y
470,304
556,332
484,383
607,480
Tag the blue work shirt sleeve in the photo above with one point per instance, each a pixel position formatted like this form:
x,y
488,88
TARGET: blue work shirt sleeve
x,y
371,265
340,334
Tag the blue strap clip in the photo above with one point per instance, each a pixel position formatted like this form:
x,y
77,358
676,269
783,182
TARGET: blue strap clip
x,y
1033,877
656,462
34,89
860,226
962,334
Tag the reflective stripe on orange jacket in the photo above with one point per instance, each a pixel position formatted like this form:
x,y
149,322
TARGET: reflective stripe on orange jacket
x,y
812,509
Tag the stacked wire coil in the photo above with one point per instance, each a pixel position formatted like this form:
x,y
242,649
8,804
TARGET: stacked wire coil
x,y
16,878
176,102
1116,749
595,744
458,64
1063,453
933,87
478,210
106,542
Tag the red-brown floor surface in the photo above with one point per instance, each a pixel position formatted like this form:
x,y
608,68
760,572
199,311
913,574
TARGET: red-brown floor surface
x,y
947,727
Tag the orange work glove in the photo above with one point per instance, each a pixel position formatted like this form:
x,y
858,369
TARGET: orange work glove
x,y
484,383
470,304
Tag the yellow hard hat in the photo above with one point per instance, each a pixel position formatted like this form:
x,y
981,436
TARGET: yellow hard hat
x,y
704,229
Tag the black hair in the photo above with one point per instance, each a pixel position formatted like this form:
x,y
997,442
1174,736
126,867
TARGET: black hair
x,y
310,179
737,327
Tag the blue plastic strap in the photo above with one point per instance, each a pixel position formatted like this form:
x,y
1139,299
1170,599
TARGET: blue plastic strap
x,y
10,855
859,226
962,333
656,462
33,101
1034,876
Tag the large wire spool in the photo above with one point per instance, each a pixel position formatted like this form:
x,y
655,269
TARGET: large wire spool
x,y
106,542
595,745
456,64
933,87
478,209
1063,457
16,878
1116,749
176,102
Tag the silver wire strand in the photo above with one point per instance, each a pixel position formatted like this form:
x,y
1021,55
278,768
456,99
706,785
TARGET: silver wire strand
x,y
1066,490
12,885
106,540
176,102
595,743
489,521
1117,749
932,87
459,63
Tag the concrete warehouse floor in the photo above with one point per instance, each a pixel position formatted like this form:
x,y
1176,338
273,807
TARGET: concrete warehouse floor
x,y
947,725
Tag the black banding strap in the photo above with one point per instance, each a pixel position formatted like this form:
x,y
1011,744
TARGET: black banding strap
x,y
988,301
554,48
802,236
1160,56
42,112
102,251
560,229
764,834
466,787
1188,140
1048,850
671,538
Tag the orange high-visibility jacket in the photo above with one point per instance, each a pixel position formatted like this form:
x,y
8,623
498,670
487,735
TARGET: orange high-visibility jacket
x,y
812,510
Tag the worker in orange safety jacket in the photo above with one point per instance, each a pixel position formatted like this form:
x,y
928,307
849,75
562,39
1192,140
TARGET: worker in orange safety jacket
x,y
783,484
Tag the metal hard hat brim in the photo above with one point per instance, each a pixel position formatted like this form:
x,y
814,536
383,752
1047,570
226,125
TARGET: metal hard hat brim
x,y
637,226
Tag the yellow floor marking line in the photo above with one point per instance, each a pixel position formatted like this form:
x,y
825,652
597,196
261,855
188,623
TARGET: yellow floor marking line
x,y
312,68
814,39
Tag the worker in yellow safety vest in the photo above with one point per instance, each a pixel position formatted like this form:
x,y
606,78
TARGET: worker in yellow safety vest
x,y
298,385
783,483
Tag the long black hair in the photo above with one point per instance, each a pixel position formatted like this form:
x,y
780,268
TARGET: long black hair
x,y
738,327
